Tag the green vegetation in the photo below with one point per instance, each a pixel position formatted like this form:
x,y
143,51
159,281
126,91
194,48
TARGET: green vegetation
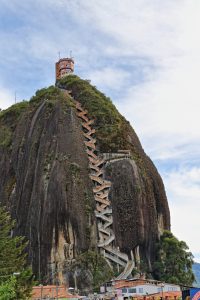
x,y
46,93
8,289
5,136
111,127
10,117
51,95
16,279
14,111
89,210
10,184
89,202
74,169
94,263
8,120
174,261
112,130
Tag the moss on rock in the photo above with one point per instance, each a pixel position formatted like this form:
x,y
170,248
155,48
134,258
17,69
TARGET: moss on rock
x,y
93,266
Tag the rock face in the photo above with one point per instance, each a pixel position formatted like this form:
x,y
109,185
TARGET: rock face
x,y
137,218
45,179
45,183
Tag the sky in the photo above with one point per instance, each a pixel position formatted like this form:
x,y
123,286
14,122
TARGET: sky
x,y
144,54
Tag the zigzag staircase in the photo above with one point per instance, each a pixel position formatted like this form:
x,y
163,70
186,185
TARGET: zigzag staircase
x,y
101,189
103,206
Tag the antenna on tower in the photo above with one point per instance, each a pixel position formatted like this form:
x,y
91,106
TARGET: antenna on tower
x,y
15,97
70,53
59,55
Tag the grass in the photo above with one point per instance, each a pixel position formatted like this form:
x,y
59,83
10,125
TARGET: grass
x,y
14,111
109,124
51,94
5,136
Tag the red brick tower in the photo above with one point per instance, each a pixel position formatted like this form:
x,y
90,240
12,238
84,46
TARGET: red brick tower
x,y
64,67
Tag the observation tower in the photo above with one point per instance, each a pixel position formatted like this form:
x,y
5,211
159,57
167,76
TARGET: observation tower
x,y
64,67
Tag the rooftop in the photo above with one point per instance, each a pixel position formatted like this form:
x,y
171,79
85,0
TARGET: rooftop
x,y
53,291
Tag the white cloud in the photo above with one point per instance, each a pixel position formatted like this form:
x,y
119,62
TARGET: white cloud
x,y
6,98
108,77
137,26
166,109
183,186
164,105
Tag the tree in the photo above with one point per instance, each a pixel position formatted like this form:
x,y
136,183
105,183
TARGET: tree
x,y
91,266
14,273
173,262
8,289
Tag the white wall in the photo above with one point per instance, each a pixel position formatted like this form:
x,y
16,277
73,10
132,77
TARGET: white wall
x,y
146,289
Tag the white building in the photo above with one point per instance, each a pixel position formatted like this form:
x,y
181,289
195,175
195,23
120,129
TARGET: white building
x,y
145,288
126,289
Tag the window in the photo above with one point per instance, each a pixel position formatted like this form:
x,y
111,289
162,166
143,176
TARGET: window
x,y
124,291
109,284
132,291
140,290
172,289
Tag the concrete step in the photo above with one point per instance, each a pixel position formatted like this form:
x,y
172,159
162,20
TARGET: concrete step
x,y
86,126
106,231
102,201
107,211
97,161
106,242
127,271
89,137
83,112
78,106
101,207
101,187
116,252
91,153
98,173
115,259
83,116
89,133
90,145
103,195
101,216
100,180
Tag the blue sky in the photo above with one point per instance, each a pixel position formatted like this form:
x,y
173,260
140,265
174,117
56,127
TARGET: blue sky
x,y
144,54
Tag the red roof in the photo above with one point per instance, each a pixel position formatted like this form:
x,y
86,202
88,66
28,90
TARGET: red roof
x,y
167,294
164,295
52,291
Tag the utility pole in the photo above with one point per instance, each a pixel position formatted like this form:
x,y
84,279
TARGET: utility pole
x,y
57,287
75,281
162,287
56,291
